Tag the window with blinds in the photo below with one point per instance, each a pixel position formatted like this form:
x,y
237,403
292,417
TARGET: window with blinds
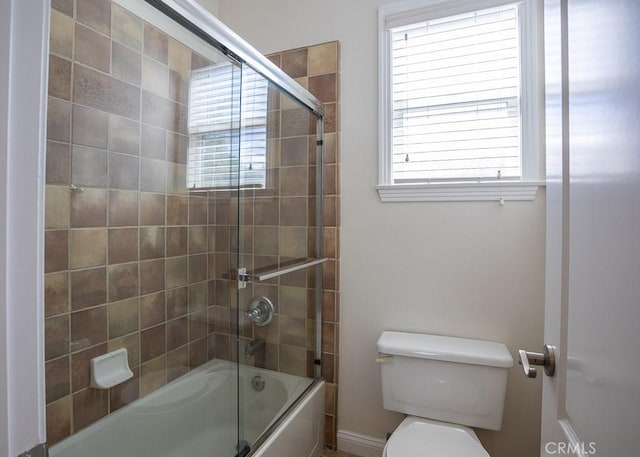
x,y
227,128
455,98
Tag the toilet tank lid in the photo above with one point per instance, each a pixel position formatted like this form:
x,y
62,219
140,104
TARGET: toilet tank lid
x,y
445,348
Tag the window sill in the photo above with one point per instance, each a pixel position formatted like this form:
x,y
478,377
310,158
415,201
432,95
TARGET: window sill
x,y
453,192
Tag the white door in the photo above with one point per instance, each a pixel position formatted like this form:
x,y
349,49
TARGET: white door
x,y
592,404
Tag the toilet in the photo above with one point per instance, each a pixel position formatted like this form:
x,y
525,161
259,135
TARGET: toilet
x,y
445,385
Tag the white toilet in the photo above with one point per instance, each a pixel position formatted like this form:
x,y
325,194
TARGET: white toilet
x,y
446,385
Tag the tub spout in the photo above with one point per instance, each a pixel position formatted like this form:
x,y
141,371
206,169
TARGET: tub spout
x,y
253,347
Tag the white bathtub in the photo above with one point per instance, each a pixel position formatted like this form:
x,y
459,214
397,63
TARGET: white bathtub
x,y
197,416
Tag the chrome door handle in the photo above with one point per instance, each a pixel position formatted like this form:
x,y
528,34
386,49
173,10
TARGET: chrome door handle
x,y
547,359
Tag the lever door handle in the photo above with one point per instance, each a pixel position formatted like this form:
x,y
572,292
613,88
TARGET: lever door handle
x,y
546,359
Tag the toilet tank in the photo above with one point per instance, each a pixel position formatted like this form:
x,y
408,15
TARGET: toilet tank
x,y
457,380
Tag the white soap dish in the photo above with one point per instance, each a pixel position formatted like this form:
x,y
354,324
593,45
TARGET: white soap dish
x,y
110,369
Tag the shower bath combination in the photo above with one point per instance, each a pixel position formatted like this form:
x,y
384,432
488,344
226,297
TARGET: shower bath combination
x,y
184,224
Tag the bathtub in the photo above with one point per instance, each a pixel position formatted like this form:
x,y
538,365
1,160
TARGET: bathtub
x,y
197,416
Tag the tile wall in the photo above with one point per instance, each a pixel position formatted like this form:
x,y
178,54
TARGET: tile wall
x,y
126,246
134,260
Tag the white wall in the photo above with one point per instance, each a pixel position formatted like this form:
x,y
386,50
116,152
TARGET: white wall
x,y
24,34
464,269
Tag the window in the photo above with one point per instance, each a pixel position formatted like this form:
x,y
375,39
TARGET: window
x,y
458,114
227,128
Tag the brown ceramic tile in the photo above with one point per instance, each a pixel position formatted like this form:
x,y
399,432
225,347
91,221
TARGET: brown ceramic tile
x,y
123,317
125,393
323,58
90,128
92,49
324,87
176,241
64,6
329,309
58,119
87,248
331,398
292,242
176,272
88,167
153,375
221,318
177,363
155,77
177,333
294,151
59,77
293,302
123,245
154,143
222,212
266,211
198,298
88,327
132,344
294,63
153,175
293,331
56,336
197,268
330,148
88,288
123,171
81,366
177,210
328,367
293,211
126,64
95,14
58,420
56,214
178,88
56,293
163,113
156,44
297,122
293,360
152,242
123,281
103,92
58,163
330,274
152,209
329,337
332,120
276,58
197,239
152,309
177,147
266,240
126,28
88,406
176,178
55,250
329,432
197,353
222,346
223,239
177,303
197,210
179,57
293,181
330,211
124,135
123,208
152,343
152,276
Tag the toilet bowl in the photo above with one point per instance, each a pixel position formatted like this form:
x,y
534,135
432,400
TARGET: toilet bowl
x,y
445,385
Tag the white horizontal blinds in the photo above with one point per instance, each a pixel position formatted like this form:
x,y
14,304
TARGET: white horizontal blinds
x,y
227,128
455,86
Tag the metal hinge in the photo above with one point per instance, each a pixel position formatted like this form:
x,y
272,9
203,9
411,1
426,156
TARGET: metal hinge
x,y
242,278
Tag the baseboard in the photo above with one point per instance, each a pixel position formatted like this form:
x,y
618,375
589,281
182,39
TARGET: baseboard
x,y
357,444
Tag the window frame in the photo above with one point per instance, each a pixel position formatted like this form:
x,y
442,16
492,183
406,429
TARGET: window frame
x,y
531,99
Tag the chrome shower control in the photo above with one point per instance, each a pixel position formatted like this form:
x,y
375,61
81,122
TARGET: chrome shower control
x,y
260,311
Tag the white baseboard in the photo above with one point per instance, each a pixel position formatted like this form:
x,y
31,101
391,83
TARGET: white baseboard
x,y
357,444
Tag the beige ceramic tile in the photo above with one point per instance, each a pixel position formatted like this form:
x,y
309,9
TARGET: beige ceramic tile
x,y
61,35
179,57
88,248
323,58
56,207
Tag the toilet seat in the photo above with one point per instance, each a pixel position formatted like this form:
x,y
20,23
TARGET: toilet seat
x,y
418,437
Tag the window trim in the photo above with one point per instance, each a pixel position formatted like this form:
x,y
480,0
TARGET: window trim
x,y
532,99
